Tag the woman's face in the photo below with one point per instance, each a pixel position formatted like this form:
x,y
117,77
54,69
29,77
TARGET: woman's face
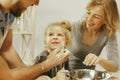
x,y
95,18
55,37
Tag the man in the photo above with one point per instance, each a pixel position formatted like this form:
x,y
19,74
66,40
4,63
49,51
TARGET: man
x,y
11,66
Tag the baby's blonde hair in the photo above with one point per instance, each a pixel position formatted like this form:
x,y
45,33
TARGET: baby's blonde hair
x,y
66,25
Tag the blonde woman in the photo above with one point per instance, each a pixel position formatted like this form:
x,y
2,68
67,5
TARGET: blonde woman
x,y
91,35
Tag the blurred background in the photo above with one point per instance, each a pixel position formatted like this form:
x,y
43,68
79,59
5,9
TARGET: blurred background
x,y
47,12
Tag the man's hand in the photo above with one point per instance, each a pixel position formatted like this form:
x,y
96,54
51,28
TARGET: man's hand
x,y
57,56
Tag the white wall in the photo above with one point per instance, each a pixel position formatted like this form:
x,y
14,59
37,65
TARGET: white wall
x,y
55,10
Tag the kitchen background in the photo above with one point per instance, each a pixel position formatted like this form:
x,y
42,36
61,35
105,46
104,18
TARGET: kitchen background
x,y
50,11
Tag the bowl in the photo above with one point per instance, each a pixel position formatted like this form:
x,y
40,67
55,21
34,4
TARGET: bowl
x,y
83,74
102,75
88,74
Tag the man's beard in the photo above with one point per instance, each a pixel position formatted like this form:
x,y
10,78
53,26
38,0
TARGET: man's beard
x,y
16,10
16,13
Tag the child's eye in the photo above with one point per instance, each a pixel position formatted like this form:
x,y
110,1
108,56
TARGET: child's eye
x,y
60,35
50,34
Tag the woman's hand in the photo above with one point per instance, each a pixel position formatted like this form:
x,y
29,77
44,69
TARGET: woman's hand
x,y
91,59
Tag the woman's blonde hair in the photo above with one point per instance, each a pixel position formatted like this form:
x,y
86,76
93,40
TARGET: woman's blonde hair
x,y
111,14
66,25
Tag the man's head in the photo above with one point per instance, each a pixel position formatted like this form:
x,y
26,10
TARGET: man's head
x,y
21,6
5,5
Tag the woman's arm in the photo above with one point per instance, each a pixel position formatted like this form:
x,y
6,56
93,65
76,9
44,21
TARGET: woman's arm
x,y
109,65
112,64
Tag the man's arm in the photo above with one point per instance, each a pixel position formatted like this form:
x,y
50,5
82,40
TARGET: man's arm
x,y
5,73
8,52
32,72
22,72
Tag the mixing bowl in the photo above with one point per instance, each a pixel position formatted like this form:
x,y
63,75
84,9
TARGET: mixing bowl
x,y
83,74
88,74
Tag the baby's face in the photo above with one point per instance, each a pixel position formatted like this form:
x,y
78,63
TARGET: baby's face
x,y
55,37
